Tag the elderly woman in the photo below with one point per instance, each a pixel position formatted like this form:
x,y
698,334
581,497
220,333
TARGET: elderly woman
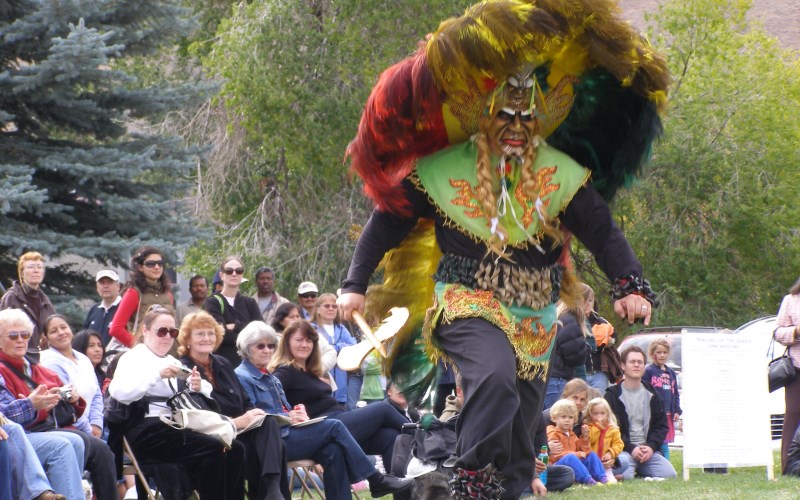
x,y
199,336
143,379
297,365
788,333
328,442
73,368
26,295
230,308
27,401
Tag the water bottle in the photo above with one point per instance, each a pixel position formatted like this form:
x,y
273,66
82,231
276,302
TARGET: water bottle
x,y
543,458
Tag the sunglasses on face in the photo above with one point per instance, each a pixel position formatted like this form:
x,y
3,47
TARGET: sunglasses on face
x,y
328,306
230,270
261,347
164,331
17,335
154,263
309,296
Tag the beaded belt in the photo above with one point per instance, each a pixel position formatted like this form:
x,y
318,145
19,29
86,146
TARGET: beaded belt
x,y
528,287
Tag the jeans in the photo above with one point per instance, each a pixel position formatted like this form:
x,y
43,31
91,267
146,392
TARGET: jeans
x,y
587,468
330,444
599,381
555,386
27,476
5,471
375,427
657,466
99,462
353,390
61,455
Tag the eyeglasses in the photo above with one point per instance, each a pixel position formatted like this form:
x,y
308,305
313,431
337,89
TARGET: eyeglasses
x,y
261,347
230,270
635,362
154,263
164,331
17,335
329,306
34,267
308,296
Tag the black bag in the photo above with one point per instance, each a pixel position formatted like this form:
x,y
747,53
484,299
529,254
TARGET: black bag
x,y
188,400
781,370
62,415
611,363
435,443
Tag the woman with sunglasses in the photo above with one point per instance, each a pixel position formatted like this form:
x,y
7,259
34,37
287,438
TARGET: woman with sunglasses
x,y
27,295
144,379
230,308
266,471
147,285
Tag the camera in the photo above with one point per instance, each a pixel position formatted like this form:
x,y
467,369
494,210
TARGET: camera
x,y
65,392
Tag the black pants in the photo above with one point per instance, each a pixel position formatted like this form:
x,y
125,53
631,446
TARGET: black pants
x,y
791,419
100,464
215,473
267,476
500,413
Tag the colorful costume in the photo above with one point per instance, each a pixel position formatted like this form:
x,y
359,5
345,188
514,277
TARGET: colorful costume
x,y
489,217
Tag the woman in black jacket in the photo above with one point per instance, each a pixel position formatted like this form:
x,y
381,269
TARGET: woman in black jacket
x,y
265,453
569,351
230,308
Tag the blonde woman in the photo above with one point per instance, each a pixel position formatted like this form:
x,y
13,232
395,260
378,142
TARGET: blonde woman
x,y
27,296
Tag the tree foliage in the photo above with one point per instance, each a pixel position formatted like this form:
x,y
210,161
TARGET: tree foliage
x,y
714,220
83,172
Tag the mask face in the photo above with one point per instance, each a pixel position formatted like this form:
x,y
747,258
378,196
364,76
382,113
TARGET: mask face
x,y
514,124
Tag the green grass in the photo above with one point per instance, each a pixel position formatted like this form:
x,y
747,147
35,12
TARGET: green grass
x,y
740,484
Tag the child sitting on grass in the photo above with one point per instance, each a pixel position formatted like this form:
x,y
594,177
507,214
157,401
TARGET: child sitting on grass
x,y
665,382
576,453
604,436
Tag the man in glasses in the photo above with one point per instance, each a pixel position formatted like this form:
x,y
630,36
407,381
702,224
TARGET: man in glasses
x,y
307,294
26,294
100,315
266,296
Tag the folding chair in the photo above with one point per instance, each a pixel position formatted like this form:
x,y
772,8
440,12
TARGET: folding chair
x,y
308,467
158,471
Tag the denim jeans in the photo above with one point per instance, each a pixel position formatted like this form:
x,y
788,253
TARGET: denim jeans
x,y
5,471
59,454
555,386
330,444
584,468
599,381
657,466
374,427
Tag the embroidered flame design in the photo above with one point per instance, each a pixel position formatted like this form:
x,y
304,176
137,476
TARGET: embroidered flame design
x,y
542,187
466,198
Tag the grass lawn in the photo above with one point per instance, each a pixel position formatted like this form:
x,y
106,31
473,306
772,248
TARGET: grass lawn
x,y
740,484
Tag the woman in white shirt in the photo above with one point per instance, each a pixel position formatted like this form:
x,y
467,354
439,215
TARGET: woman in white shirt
x,y
142,379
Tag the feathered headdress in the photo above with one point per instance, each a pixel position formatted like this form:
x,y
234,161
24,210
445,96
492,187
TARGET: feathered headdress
x,y
602,85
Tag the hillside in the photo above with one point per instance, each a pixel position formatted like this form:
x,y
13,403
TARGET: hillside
x,y
781,18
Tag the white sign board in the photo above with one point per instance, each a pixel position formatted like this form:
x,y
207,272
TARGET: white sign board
x,y
724,399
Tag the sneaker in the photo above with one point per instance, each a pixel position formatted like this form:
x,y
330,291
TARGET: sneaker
x,y
387,484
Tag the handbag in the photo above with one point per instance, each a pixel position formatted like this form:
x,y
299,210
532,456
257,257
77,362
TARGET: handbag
x,y
781,370
197,412
611,363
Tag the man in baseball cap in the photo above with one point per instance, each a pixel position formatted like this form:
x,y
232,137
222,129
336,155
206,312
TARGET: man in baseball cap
x,y
100,315
307,294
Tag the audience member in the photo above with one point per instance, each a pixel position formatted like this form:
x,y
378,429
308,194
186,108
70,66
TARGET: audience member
x,y
792,467
267,298
89,343
575,452
325,319
642,421
328,442
265,455
307,298
601,337
578,391
230,308
100,315
665,382
216,283
144,379
23,476
73,368
40,390
604,436
788,333
285,314
147,285
27,296
297,365
198,289
569,351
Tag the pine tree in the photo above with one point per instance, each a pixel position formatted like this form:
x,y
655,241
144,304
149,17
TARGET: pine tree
x,y
82,171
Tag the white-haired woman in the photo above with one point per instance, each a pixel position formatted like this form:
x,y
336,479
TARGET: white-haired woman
x,y
328,442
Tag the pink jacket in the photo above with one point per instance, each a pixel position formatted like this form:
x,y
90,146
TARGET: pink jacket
x,y
787,322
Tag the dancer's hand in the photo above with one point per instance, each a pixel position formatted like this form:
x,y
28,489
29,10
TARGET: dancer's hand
x,y
632,307
349,302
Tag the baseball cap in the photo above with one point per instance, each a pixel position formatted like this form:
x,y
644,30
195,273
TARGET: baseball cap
x,y
107,273
307,287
